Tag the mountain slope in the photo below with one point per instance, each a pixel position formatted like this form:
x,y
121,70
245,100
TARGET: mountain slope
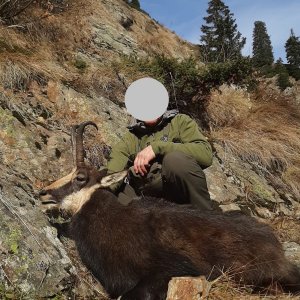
x,y
61,63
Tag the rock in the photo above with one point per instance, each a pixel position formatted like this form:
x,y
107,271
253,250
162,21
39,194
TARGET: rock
x,y
188,288
220,188
126,22
255,189
264,212
230,207
292,252
106,36
26,249
282,209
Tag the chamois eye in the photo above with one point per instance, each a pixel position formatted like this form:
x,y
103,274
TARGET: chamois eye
x,y
80,178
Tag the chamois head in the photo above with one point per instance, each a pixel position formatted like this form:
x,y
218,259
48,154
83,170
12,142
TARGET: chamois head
x,y
69,193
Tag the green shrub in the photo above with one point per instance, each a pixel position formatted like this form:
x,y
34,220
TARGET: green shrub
x,y
267,71
135,4
283,81
181,78
282,71
283,76
237,72
80,64
293,71
189,83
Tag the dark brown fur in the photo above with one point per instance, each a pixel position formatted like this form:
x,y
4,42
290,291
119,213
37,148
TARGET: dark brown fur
x,y
133,248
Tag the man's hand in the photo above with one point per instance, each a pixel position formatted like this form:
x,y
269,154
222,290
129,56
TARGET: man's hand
x,y
142,160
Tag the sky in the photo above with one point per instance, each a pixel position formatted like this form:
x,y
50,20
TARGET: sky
x,y
185,17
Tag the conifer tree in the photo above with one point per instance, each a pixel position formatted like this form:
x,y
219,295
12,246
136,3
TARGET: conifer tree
x,y
292,48
220,41
135,4
283,76
261,48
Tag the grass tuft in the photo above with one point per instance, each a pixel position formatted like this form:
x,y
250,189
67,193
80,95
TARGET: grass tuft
x,y
263,133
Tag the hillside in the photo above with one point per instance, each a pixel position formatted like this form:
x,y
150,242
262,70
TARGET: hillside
x,y
64,62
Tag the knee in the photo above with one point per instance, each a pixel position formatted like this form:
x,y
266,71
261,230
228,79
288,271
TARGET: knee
x,y
178,163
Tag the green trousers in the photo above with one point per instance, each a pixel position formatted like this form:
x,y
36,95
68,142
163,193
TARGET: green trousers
x,y
178,178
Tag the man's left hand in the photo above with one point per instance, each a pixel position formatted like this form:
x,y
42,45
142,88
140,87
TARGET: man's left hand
x,y
142,160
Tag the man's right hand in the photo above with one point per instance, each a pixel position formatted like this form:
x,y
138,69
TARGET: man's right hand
x,y
142,160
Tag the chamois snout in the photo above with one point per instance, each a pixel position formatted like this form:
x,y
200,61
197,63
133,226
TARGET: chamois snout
x,y
71,191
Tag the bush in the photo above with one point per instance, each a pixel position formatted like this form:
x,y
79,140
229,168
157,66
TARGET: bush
x,y
188,83
283,81
283,76
282,72
181,78
293,71
135,4
80,64
237,72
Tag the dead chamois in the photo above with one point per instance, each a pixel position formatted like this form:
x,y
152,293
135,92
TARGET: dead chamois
x,y
135,250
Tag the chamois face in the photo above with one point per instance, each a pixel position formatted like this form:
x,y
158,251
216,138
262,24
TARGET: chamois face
x,y
68,194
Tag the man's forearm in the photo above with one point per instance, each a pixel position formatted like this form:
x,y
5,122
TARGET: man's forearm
x,y
200,150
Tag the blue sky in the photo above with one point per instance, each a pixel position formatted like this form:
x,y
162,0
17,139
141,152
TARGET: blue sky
x,y
186,16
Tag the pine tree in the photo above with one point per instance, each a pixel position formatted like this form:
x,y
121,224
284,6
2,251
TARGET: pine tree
x,y
135,4
262,48
283,76
292,48
220,41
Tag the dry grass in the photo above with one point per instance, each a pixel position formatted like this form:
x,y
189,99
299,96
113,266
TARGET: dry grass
x,y
225,287
287,229
150,36
159,39
264,133
228,107
14,76
44,44
37,48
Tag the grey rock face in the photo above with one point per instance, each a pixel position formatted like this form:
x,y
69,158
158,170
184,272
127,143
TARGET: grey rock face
x,y
106,36
33,260
292,252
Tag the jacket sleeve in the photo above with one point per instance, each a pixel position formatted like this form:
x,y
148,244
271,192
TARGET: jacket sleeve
x,y
118,160
193,142
119,155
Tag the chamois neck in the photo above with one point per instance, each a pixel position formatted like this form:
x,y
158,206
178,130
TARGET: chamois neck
x,y
74,202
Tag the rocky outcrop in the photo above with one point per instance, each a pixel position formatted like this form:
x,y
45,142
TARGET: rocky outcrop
x,y
33,260
35,149
239,187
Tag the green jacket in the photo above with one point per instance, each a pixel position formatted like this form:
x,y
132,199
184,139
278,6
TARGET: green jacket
x,y
174,132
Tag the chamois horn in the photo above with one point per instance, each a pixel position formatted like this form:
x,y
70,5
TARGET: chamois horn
x,y
77,142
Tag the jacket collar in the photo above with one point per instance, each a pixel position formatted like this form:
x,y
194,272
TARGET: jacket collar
x,y
139,128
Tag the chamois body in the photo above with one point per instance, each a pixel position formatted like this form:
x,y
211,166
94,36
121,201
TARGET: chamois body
x,y
132,249
135,250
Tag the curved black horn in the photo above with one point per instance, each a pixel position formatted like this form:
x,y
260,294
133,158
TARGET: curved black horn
x,y
77,139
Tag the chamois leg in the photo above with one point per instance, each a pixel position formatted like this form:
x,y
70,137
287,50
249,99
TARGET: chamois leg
x,y
152,287
291,282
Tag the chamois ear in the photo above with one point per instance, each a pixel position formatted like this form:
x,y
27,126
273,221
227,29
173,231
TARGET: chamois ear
x,y
113,178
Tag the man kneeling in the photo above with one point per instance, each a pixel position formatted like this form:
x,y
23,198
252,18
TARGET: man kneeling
x,y
166,158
